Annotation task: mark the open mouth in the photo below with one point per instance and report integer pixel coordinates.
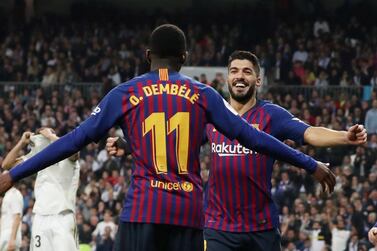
(240, 85)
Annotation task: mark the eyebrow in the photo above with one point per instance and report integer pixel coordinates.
(236, 68)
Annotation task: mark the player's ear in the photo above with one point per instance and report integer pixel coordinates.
(184, 57)
(148, 55)
(258, 83)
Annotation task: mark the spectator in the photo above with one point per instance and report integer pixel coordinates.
(50, 77)
(301, 55)
(321, 27)
(107, 242)
(371, 119)
(100, 231)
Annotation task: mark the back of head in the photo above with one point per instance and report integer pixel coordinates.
(167, 41)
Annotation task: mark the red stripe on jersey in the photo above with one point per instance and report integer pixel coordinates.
(261, 183)
(248, 169)
(268, 211)
(221, 185)
(171, 160)
(141, 171)
(134, 208)
(237, 172)
(198, 208)
(253, 189)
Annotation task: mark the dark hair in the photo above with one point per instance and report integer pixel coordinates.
(167, 40)
(245, 55)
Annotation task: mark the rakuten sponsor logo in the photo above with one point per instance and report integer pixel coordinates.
(230, 150)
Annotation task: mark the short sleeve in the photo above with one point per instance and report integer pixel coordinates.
(286, 126)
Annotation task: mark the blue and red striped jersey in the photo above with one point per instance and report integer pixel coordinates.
(163, 115)
(239, 185)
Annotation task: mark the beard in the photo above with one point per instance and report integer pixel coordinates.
(244, 97)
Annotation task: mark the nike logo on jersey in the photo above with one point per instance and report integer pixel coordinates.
(96, 111)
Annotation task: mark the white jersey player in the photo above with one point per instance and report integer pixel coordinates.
(10, 225)
(54, 226)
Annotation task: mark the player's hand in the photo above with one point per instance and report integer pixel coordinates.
(5, 182)
(25, 139)
(112, 147)
(357, 135)
(11, 245)
(325, 177)
(372, 235)
(48, 133)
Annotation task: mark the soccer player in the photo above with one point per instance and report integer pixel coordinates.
(163, 115)
(245, 217)
(54, 224)
(10, 225)
(372, 235)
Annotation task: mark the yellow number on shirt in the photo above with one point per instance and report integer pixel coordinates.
(155, 123)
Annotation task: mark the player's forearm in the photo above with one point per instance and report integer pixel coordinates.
(266, 144)
(15, 225)
(11, 158)
(321, 136)
(63, 148)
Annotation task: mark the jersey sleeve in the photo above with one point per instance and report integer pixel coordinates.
(101, 120)
(227, 121)
(286, 126)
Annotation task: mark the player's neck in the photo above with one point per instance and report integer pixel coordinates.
(164, 63)
(242, 108)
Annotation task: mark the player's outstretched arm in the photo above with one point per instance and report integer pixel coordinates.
(61, 149)
(105, 116)
(12, 157)
(321, 136)
(233, 126)
(372, 234)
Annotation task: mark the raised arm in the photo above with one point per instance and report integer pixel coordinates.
(321, 136)
(13, 157)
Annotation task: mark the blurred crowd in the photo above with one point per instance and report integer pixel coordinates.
(317, 52)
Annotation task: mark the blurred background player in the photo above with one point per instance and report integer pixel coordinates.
(10, 225)
(163, 209)
(54, 224)
(245, 217)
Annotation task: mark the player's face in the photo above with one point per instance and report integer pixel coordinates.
(242, 80)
